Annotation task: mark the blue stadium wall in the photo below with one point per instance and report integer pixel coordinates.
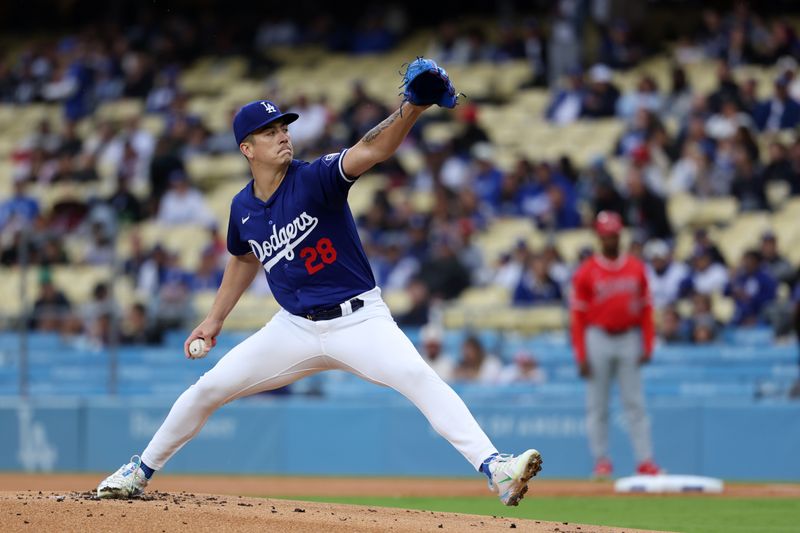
(732, 440)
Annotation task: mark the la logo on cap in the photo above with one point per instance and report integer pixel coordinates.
(269, 107)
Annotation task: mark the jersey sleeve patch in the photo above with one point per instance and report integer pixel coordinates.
(325, 179)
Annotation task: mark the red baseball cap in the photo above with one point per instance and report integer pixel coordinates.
(608, 223)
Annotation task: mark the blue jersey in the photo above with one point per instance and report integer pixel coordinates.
(305, 236)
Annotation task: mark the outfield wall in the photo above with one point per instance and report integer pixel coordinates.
(390, 437)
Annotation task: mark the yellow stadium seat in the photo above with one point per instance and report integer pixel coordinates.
(684, 307)
(78, 282)
(504, 234)
(722, 307)
(681, 209)
(570, 242)
(252, 311)
(441, 132)
(11, 304)
(398, 301)
(454, 317)
(791, 206)
(792, 253)
(186, 240)
(743, 233)
(542, 318)
(715, 211)
(532, 101)
(361, 198)
(485, 297)
(207, 171)
(155, 124)
(777, 193)
(120, 110)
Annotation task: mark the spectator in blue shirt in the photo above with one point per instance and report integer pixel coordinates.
(600, 100)
(782, 112)
(20, 209)
(561, 213)
(372, 36)
(535, 285)
(567, 103)
(208, 275)
(534, 198)
(487, 179)
(753, 289)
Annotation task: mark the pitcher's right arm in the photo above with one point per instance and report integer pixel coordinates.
(239, 274)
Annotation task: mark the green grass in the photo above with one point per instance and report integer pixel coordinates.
(696, 514)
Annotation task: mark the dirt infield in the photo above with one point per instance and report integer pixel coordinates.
(58, 502)
(31, 511)
(298, 486)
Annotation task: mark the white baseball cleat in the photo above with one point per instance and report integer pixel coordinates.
(510, 475)
(128, 481)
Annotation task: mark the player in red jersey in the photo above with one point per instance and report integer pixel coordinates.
(612, 336)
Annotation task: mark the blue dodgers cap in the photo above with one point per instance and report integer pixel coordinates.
(256, 115)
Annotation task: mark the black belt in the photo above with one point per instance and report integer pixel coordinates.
(334, 311)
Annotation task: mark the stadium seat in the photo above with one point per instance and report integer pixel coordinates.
(571, 242)
(487, 297)
(120, 110)
(207, 171)
(743, 232)
(10, 285)
(398, 301)
(186, 240)
(722, 307)
(541, 318)
(777, 193)
(78, 282)
(361, 198)
(681, 209)
(715, 211)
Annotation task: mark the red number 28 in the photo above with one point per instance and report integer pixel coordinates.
(324, 251)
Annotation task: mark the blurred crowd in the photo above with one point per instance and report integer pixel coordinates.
(475, 363)
(430, 253)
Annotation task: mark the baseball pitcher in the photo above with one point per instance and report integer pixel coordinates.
(293, 222)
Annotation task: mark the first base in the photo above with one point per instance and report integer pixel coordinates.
(668, 483)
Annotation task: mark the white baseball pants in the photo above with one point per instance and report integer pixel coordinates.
(366, 343)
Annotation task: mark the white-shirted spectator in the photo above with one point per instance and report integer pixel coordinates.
(687, 170)
(524, 369)
(723, 125)
(706, 276)
(183, 204)
(442, 363)
(646, 96)
(315, 117)
(476, 365)
(663, 274)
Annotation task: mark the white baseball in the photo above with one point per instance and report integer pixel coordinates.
(197, 348)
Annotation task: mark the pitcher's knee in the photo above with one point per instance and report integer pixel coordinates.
(417, 376)
(209, 394)
(419, 373)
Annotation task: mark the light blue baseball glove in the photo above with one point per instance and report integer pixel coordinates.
(426, 83)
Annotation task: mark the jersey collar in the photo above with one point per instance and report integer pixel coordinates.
(256, 201)
(611, 264)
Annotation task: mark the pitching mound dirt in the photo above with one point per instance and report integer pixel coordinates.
(34, 511)
(305, 486)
